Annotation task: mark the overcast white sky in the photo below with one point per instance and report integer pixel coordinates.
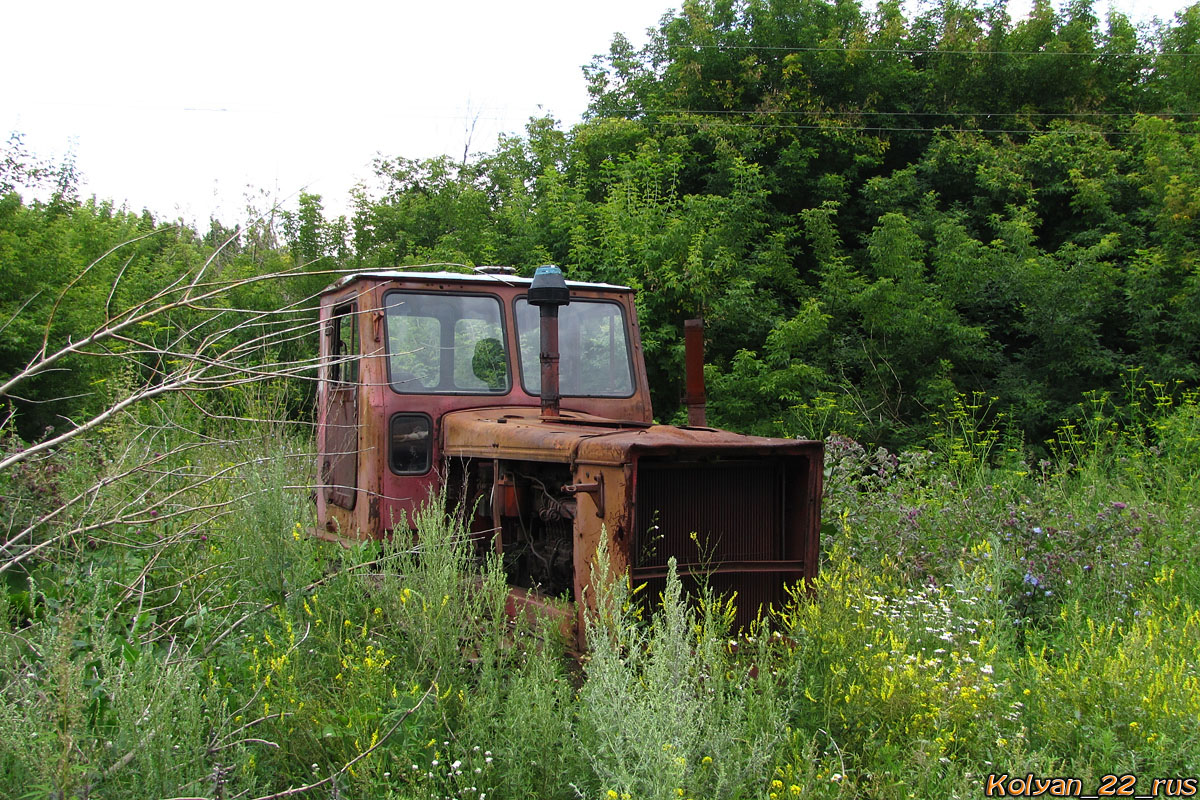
(189, 108)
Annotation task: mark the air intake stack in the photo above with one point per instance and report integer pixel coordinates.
(548, 292)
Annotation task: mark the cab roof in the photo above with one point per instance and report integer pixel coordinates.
(478, 278)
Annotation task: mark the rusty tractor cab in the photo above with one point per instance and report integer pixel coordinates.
(526, 400)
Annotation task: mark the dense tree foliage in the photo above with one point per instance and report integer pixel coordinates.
(71, 267)
(872, 212)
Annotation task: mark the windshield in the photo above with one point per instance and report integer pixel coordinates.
(445, 344)
(594, 358)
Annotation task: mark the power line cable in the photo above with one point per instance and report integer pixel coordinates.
(889, 129)
(830, 113)
(937, 51)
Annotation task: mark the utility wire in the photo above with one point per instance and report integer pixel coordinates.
(769, 113)
(887, 129)
(936, 51)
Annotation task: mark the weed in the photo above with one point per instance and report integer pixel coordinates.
(980, 608)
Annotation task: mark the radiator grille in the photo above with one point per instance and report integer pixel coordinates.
(736, 511)
(734, 508)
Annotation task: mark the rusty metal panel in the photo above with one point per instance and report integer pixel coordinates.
(339, 467)
(578, 437)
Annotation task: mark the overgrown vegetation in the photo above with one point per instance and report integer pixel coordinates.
(972, 616)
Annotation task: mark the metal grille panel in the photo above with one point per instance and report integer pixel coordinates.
(734, 509)
(709, 515)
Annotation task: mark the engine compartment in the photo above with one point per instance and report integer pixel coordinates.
(536, 520)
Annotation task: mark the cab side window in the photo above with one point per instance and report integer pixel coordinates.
(343, 366)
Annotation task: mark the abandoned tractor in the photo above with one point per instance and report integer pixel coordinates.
(526, 401)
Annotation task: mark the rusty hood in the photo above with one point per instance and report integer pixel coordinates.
(577, 438)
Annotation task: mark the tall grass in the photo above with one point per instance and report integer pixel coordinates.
(980, 609)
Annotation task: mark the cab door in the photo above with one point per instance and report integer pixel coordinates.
(340, 445)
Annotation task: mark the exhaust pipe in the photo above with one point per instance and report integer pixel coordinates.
(548, 292)
(693, 342)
